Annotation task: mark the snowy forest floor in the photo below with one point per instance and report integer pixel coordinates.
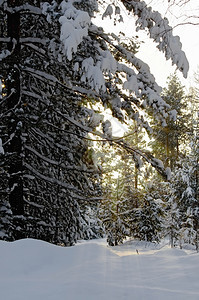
(36, 270)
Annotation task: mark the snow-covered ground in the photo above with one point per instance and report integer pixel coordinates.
(35, 270)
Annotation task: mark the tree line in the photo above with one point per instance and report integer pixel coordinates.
(57, 66)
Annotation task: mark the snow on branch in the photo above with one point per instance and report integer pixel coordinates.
(41, 75)
(96, 72)
(50, 179)
(57, 163)
(160, 31)
(25, 7)
(147, 156)
(74, 25)
(108, 12)
(93, 74)
(33, 40)
(1, 147)
(4, 54)
(50, 161)
(139, 80)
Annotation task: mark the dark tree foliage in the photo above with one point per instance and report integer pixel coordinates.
(46, 178)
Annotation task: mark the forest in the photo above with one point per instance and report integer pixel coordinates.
(63, 175)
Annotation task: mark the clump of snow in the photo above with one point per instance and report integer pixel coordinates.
(74, 24)
(159, 163)
(46, 9)
(131, 84)
(74, 27)
(1, 147)
(168, 173)
(173, 115)
(4, 54)
(108, 63)
(93, 74)
(107, 129)
(177, 55)
(189, 191)
(95, 119)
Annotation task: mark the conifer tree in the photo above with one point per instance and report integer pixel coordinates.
(47, 174)
(185, 191)
(168, 139)
(183, 207)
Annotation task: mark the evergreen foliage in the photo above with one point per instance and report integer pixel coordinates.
(186, 190)
(48, 177)
(170, 140)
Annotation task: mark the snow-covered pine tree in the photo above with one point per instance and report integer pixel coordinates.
(172, 226)
(116, 211)
(187, 198)
(53, 59)
(47, 172)
(149, 217)
(183, 200)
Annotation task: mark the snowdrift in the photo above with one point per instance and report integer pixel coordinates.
(35, 270)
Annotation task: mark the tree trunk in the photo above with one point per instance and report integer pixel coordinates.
(167, 146)
(14, 147)
(136, 143)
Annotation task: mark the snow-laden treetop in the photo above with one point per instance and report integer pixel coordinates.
(124, 85)
(101, 71)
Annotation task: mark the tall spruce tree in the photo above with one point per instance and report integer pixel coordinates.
(168, 139)
(48, 176)
(185, 186)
